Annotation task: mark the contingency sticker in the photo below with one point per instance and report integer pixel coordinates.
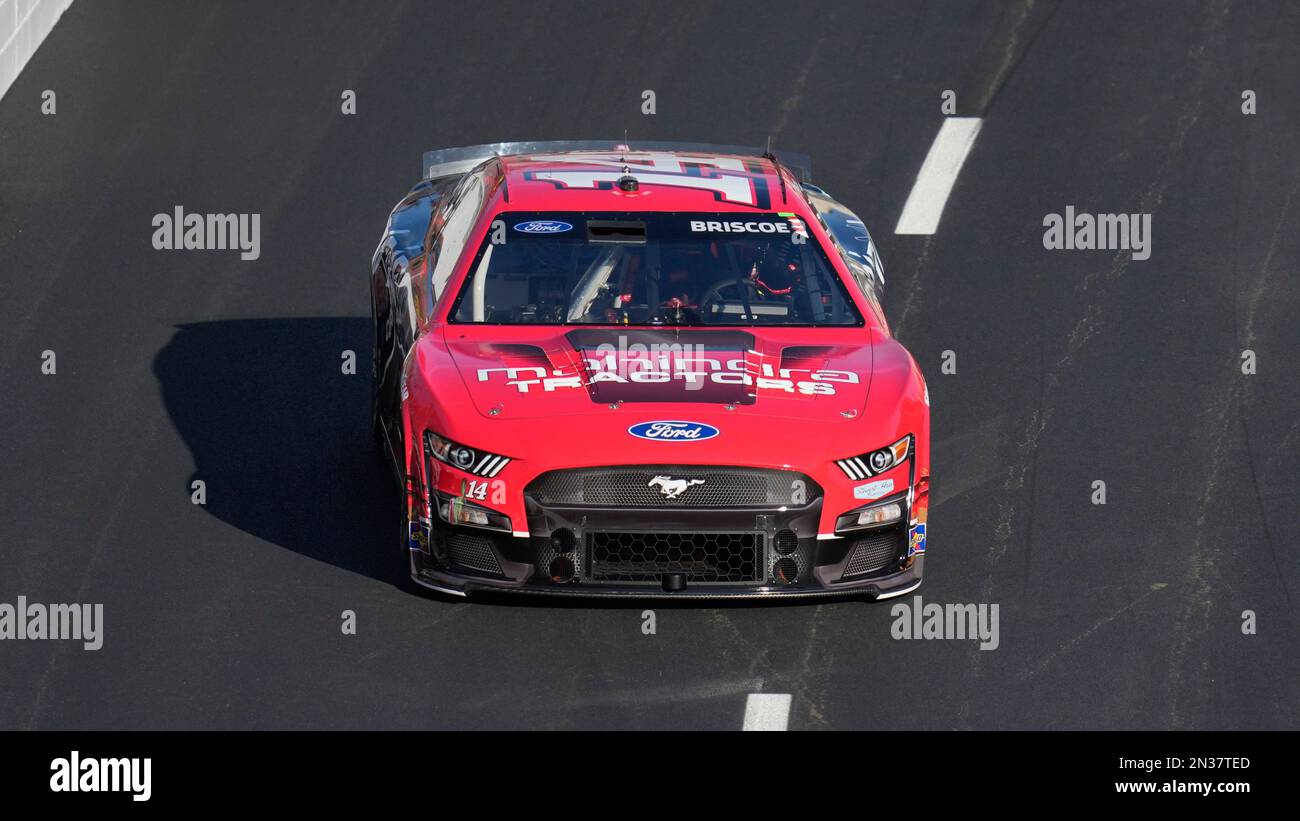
(873, 490)
(419, 536)
(916, 540)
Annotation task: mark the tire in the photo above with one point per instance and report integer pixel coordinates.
(376, 405)
(403, 534)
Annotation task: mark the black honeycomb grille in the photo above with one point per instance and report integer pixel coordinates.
(704, 558)
(871, 553)
(472, 552)
(673, 486)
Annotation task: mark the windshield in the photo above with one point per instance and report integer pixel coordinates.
(652, 269)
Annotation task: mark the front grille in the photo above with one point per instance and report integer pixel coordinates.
(673, 486)
(718, 558)
(473, 553)
(871, 553)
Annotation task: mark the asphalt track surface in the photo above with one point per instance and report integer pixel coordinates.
(1072, 366)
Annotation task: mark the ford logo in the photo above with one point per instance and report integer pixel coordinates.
(673, 431)
(543, 227)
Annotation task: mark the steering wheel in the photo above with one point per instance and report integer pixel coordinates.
(734, 286)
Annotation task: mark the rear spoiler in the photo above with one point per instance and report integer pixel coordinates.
(444, 162)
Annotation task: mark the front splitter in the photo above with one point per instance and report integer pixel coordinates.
(452, 584)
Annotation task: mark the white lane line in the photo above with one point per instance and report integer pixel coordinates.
(767, 711)
(24, 24)
(938, 173)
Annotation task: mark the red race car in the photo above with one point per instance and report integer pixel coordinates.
(651, 370)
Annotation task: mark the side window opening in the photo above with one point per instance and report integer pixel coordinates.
(853, 243)
(462, 210)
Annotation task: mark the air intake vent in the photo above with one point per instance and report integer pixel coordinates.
(786, 542)
(472, 552)
(673, 486)
(804, 356)
(616, 231)
(873, 553)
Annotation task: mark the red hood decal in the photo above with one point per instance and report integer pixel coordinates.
(809, 374)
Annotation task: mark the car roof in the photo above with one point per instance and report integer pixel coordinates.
(665, 181)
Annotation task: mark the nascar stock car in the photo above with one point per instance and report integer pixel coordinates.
(659, 370)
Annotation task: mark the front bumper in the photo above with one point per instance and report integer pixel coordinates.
(681, 554)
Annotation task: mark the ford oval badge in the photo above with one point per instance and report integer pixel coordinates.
(673, 431)
(543, 227)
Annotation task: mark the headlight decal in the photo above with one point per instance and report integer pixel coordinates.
(456, 510)
(463, 457)
(876, 462)
(880, 514)
(854, 468)
(490, 465)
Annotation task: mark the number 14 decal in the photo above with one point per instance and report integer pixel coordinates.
(471, 489)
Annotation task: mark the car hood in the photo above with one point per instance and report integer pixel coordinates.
(807, 374)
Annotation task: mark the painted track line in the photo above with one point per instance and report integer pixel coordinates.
(24, 25)
(937, 176)
(767, 711)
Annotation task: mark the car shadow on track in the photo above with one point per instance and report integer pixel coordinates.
(281, 438)
(280, 435)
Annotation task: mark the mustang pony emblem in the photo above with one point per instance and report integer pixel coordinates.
(672, 488)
